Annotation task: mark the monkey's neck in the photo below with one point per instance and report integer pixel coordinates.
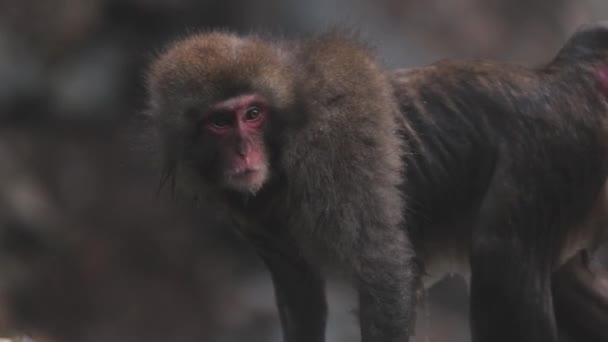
(239, 200)
(254, 205)
(591, 82)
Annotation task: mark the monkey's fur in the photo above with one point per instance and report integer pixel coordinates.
(495, 164)
(507, 171)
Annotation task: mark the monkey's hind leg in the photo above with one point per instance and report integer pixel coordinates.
(581, 302)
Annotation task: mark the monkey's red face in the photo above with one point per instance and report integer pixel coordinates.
(237, 125)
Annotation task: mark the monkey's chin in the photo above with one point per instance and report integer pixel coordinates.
(247, 181)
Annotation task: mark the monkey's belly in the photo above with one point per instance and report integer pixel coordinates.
(439, 268)
(448, 254)
(445, 254)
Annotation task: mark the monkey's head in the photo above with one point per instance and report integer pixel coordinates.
(239, 113)
(586, 50)
(216, 98)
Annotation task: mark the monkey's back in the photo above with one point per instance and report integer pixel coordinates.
(469, 123)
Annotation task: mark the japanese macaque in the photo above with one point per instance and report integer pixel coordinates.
(319, 155)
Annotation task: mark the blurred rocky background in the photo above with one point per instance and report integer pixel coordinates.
(90, 252)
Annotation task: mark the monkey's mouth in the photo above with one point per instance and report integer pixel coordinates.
(246, 176)
(248, 180)
(239, 173)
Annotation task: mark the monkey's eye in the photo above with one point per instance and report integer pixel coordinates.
(220, 121)
(253, 114)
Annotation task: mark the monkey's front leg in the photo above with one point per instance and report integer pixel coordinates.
(299, 290)
(387, 277)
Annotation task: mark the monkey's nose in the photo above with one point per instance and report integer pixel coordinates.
(242, 148)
